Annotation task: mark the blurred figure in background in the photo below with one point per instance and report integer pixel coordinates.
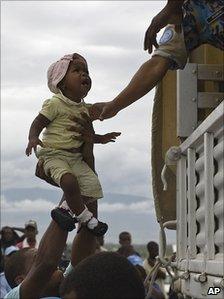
(153, 250)
(9, 238)
(100, 244)
(125, 240)
(129, 252)
(30, 232)
(4, 286)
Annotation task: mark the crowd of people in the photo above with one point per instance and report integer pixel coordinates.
(18, 252)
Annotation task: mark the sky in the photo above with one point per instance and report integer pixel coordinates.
(109, 34)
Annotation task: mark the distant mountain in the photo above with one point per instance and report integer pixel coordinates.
(122, 212)
(54, 194)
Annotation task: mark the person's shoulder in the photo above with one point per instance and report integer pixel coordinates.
(14, 293)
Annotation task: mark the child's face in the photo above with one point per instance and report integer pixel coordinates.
(77, 82)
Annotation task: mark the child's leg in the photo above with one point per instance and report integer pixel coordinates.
(69, 185)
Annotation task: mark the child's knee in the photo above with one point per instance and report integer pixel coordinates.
(69, 183)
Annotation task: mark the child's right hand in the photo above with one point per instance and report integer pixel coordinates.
(32, 144)
(109, 110)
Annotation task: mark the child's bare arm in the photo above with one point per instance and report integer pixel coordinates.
(39, 123)
(109, 137)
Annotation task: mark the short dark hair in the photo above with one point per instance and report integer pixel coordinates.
(16, 265)
(106, 275)
(124, 235)
(153, 248)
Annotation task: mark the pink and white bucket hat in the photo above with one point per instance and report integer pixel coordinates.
(58, 69)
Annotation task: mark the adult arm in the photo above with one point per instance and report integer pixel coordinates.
(19, 229)
(48, 256)
(148, 75)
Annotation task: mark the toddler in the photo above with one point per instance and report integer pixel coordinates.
(60, 151)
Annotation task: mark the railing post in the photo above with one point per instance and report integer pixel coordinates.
(209, 193)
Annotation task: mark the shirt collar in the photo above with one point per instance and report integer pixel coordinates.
(67, 100)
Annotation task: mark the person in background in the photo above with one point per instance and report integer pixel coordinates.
(125, 239)
(156, 292)
(153, 251)
(106, 275)
(4, 286)
(129, 252)
(31, 233)
(9, 238)
(100, 244)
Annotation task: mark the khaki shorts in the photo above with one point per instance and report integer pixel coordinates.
(59, 162)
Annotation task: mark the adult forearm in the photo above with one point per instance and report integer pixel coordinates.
(175, 4)
(149, 74)
(87, 153)
(19, 229)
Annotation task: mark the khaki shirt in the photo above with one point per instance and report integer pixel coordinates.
(59, 110)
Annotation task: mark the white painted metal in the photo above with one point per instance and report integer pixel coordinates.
(209, 194)
(187, 100)
(182, 208)
(200, 173)
(191, 197)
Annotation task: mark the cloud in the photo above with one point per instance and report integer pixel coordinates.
(142, 207)
(26, 206)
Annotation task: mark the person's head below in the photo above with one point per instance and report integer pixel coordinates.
(31, 229)
(70, 76)
(106, 275)
(153, 249)
(125, 238)
(8, 237)
(18, 266)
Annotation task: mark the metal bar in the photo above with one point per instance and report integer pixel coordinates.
(182, 208)
(209, 194)
(209, 99)
(191, 202)
(210, 124)
(187, 100)
(210, 72)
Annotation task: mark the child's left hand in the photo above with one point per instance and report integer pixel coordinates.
(109, 137)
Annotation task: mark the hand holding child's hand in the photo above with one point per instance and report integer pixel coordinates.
(32, 144)
(109, 137)
(109, 110)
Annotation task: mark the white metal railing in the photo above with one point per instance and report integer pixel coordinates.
(200, 207)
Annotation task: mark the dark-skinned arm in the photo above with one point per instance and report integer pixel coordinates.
(48, 256)
(39, 123)
(147, 77)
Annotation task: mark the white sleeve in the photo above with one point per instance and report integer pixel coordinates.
(68, 270)
(14, 293)
(172, 46)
